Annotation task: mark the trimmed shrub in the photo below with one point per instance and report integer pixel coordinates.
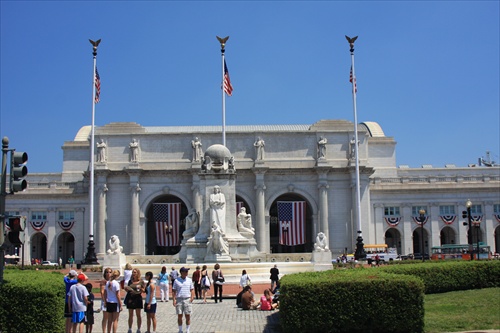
(32, 301)
(359, 300)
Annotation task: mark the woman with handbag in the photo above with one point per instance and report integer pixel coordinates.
(133, 300)
(205, 282)
(219, 280)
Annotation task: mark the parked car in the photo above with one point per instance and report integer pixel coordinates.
(49, 263)
(418, 256)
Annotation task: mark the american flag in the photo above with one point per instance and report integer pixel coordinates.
(97, 82)
(239, 204)
(291, 217)
(167, 218)
(351, 78)
(228, 88)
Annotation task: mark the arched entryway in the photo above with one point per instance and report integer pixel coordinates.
(297, 203)
(448, 236)
(165, 225)
(393, 239)
(496, 248)
(65, 247)
(417, 241)
(39, 246)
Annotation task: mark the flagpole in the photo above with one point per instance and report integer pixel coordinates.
(91, 258)
(222, 50)
(360, 252)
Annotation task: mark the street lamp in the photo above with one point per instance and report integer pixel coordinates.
(468, 205)
(421, 219)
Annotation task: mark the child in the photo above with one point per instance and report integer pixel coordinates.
(89, 319)
(77, 302)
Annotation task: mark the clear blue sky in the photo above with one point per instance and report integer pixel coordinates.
(427, 72)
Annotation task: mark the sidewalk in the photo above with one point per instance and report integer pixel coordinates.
(222, 317)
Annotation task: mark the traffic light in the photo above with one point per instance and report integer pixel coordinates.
(18, 170)
(464, 214)
(16, 225)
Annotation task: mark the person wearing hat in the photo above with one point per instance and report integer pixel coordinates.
(69, 280)
(183, 295)
(77, 303)
(173, 275)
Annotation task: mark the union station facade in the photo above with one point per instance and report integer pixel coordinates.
(137, 167)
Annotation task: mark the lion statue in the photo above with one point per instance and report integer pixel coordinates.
(114, 245)
(321, 244)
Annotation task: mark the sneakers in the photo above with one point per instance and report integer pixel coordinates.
(129, 330)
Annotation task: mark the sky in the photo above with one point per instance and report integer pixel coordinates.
(427, 71)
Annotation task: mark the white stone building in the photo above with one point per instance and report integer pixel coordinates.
(136, 167)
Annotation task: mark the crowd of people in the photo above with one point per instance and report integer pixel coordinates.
(140, 295)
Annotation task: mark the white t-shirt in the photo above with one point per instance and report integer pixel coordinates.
(112, 287)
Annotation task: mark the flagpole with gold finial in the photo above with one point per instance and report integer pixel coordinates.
(360, 251)
(91, 258)
(222, 50)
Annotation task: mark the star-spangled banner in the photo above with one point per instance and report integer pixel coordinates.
(167, 222)
(97, 82)
(291, 217)
(228, 88)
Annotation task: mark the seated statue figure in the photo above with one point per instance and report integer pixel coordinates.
(321, 244)
(245, 223)
(216, 243)
(192, 224)
(114, 245)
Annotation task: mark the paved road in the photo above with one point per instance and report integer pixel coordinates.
(222, 317)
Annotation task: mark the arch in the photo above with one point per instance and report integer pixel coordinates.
(274, 231)
(417, 240)
(151, 245)
(38, 246)
(393, 238)
(149, 200)
(249, 204)
(448, 235)
(305, 195)
(65, 246)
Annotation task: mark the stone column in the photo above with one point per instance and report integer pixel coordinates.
(435, 236)
(323, 209)
(100, 229)
(379, 224)
(488, 225)
(407, 245)
(261, 225)
(462, 230)
(134, 216)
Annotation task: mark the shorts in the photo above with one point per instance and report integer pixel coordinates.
(112, 307)
(183, 306)
(134, 301)
(152, 308)
(67, 313)
(78, 317)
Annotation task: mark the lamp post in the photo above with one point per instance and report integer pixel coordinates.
(421, 218)
(468, 205)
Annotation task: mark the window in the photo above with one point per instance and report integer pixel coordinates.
(11, 213)
(39, 215)
(496, 208)
(476, 209)
(415, 210)
(447, 210)
(391, 211)
(66, 215)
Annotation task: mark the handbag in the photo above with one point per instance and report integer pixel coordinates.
(220, 279)
(206, 281)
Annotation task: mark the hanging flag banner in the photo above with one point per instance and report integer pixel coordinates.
(415, 219)
(38, 225)
(291, 217)
(238, 207)
(476, 219)
(352, 79)
(497, 217)
(448, 219)
(393, 221)
(97, 82)
(228, 88)
(66, 225)
(167, 222)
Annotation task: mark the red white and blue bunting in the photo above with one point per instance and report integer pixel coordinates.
(497, 217)
(66, 225)
(415, 219)
(393, 221)
(38, 225)
(448, 219)
(476, 219)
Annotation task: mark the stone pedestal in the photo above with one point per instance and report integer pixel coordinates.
(115, 261)
(322, 260)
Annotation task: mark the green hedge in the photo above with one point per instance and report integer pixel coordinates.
(444, 276)
(32, 301)
(359, 300)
